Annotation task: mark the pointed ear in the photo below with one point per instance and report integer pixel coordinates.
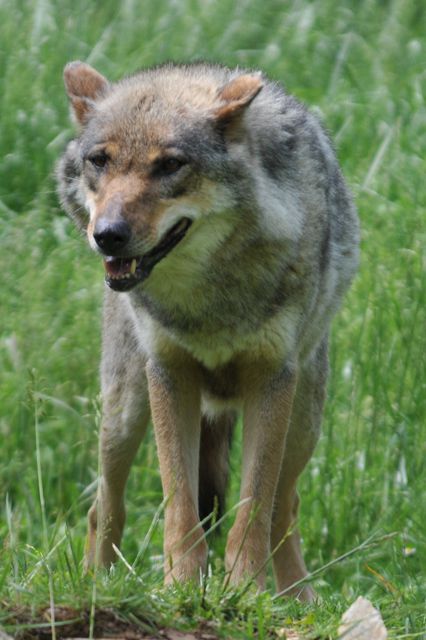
(83, 85)
(236, 96)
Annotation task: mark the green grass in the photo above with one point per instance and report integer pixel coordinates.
(361, 65)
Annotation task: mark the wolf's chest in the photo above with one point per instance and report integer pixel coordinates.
(212, 339)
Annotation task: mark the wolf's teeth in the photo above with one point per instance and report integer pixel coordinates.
(133, 266)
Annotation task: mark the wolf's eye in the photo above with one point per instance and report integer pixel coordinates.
(168, 166)
(99, 159)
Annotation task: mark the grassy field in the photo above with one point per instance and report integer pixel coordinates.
(361, 66)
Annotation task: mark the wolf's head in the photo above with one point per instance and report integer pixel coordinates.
(153, 159)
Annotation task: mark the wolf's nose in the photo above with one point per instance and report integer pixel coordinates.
(111, 237)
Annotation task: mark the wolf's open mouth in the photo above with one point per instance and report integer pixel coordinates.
(122, 274)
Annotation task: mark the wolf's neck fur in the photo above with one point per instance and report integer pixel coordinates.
(214, 300)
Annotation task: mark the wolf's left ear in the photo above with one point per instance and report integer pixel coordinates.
(236, 95)
(84, 85)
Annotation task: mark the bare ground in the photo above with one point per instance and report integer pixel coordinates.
(70, 623)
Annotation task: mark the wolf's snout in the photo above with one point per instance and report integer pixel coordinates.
(112, 237)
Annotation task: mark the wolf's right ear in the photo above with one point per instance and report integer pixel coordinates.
(84, 85)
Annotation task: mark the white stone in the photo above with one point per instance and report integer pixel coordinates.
(362, 622)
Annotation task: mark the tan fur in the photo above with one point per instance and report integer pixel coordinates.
(233, 316)
(237, 95)
(267, 408)
(83, 84)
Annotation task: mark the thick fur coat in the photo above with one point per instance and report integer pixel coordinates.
(229, 238)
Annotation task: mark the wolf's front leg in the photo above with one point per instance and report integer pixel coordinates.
(267, 409)
(175, 406)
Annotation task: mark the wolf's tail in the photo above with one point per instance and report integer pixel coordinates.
(216, 438)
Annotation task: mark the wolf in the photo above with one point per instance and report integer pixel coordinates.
(228, 237)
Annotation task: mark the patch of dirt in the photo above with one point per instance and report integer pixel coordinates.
(70, 623)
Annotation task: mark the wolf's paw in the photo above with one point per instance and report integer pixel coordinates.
(187, 561)
(246, 560)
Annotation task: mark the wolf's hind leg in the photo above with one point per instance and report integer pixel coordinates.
(125, 417)
(288, 563)
(216, 436)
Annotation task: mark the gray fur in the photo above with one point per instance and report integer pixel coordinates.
(286, 251)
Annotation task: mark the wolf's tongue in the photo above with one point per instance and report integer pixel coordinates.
(117, 267)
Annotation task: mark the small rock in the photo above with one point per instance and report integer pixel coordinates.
(4, 635)
(288, 634)
(179, 635)
(362, 622)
